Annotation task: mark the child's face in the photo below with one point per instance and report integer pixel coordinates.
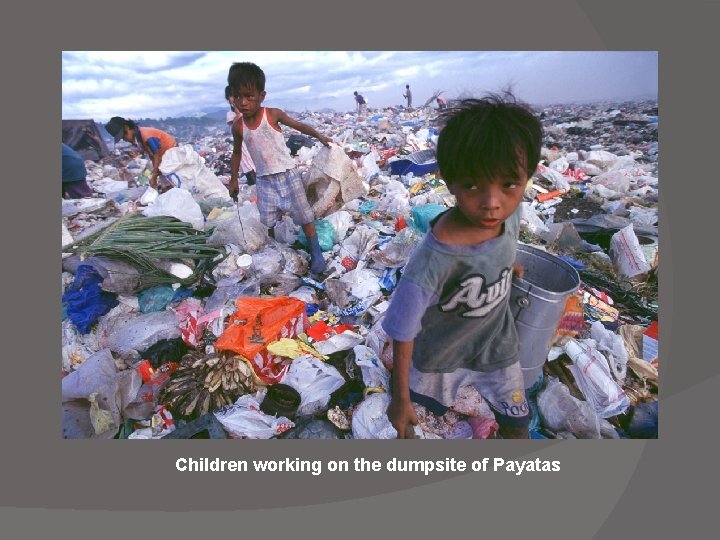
(247, 100)
(128, 134)
(487, 203)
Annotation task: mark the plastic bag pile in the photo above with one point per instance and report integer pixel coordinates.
(592, 201)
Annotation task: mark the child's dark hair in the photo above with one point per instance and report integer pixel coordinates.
(228, 93)
(246, 74)
(489, 137)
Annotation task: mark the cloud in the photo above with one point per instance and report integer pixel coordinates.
(100, 84)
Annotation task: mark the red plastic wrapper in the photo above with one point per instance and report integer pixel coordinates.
(322, 331)
(156, 377)
(348, 263)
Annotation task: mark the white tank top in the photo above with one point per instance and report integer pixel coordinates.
(267, 148)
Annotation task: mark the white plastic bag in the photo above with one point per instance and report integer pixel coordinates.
(604, 192)
(114, 389)
(361, 283)
(359, 244)
(149, 196)
(374, 373)
(315, 381)
(376, 340)
(560, 411)
(370, 420)
(338, 342)
(77, 347)
(556, 178)
(531, 221)
(397, 252)
(601, 158)
(643, 217)
(560, 164)
(268, 262)
(341, 222)
(626, 253)
(588, 168)
(617, 180)
(368, 165)
(108, 186)
(143, 331)
(184, 167)
(248, 210)
(177, 203)
(249, 234)
(592, 375)
(332, 180)
(396, 199)
(245, 419)
(286, 230)
(613, 346)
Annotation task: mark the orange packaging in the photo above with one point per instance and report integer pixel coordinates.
(542, 197)
(259, 321)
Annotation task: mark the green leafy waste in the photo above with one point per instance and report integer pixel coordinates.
(140, 241)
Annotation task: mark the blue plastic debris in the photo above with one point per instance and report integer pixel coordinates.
(86, 302)
(577, 265)
(418, 163)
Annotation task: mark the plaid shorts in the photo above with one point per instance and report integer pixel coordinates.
(283, 192)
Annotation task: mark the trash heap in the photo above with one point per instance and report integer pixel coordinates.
(184, 318)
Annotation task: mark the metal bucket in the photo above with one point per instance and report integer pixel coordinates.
(537, 302)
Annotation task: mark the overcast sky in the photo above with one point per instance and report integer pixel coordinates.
(154, 84)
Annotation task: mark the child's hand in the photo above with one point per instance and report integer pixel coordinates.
(234, 190)
(518, 270)
(402, 416)
(325, 140)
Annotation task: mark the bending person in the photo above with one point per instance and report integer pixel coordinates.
(74, 185)
(154, 142)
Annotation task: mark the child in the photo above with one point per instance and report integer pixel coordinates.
(154, 142)
(247, 167)
(450, 316)
(279, 186)
(361, 103)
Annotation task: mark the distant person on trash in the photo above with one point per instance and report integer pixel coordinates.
(449, 316)
(279, 186)
(408, 95)
(153, 142)
(360, 102)
(74, 185)
(442, 104)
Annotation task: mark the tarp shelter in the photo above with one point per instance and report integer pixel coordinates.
(84, 137)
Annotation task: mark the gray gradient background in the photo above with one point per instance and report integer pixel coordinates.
(606, 489)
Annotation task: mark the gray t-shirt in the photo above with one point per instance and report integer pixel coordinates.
(453, 301)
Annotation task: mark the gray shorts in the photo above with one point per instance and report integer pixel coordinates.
(503, 389)
(283, 192)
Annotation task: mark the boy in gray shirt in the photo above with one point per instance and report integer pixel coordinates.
(450, 316)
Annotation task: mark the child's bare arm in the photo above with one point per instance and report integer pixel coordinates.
(281, 117)
(233, 186)
(401, 412)
(156, 158)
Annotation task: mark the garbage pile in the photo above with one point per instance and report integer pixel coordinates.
(183, 318)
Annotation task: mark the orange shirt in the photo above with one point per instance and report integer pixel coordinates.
(156, 140)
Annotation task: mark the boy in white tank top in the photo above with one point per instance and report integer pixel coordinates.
(247, 167)
(279, 186)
